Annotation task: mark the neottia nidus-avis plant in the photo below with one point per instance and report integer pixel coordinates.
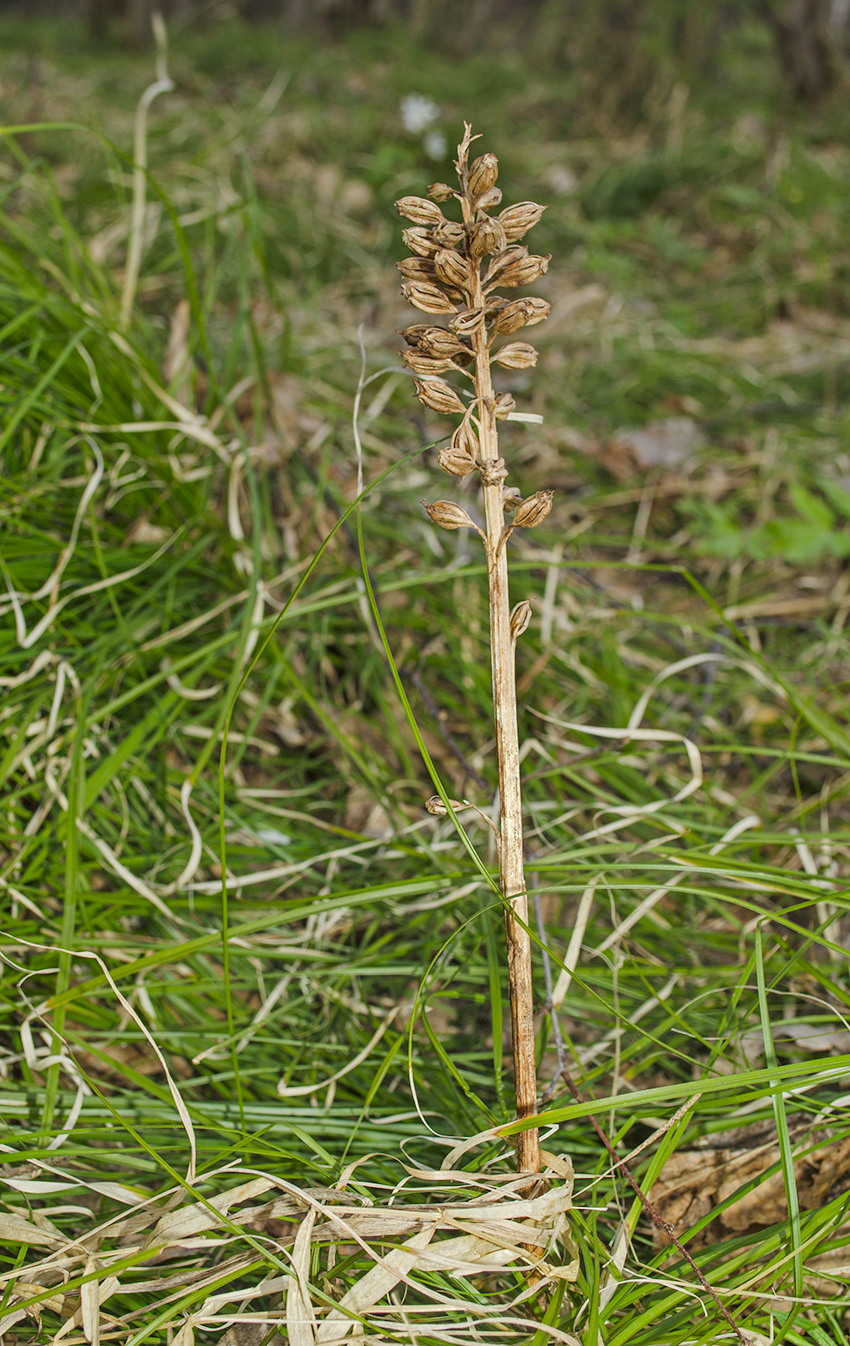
(457, 270)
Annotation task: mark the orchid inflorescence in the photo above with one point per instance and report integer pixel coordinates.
(457, 269)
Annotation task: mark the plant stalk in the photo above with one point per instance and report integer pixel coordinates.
(503, 664)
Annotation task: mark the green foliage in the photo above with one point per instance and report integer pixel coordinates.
(173, 587)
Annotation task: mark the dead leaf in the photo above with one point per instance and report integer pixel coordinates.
(250, 1334)
(694, 1182)
(14, 1229)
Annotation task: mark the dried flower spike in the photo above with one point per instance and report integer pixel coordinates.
(445, 275)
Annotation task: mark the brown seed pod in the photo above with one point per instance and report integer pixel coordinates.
(520, 618)
(504, 405)
(485, 236)
(482, 177)
(456, 462)
(418, 268)
(503, 260)
(420, 241)
(493, 472)
(465, 440)
(436, 806)
(441, 342)
(440, 191)
(448, 234)
(451, 268)
(517, 220)
(428, 365)
(419, 211)
(413, 333)
(439, 396)
(533, 510)
(520, 313)
(524, 271)
(516, 355)
(490, 199)
(467, 322)
(447, 514)
(428, 297)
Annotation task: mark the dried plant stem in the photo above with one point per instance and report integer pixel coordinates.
(445, 276)
(503, 665)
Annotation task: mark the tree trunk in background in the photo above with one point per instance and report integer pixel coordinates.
(811, 43)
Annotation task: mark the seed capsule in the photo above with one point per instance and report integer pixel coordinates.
(412, 334)
(440, 191)
(439, 396)
(524, 271)
(419, 211)
(485, 236)
(436, 806)
(520, 619)
(482, 176)
(429, 298)
(467, 322)
(428, 365)
(520, 313)
(439, 341)
(451, 268)
(448, 234)
(517, 220)
(504, 405)
(465, 440)
(516, 355)
(448, 515)
(493, 472)
(418, 268)
(419, 240)
(456, 462)
(503, 260)
(533, 510)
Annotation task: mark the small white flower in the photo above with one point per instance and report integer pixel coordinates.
(435, 145)
(418, 112)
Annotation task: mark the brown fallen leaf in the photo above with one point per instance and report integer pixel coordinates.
(250, 1334)
(694, 1182)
